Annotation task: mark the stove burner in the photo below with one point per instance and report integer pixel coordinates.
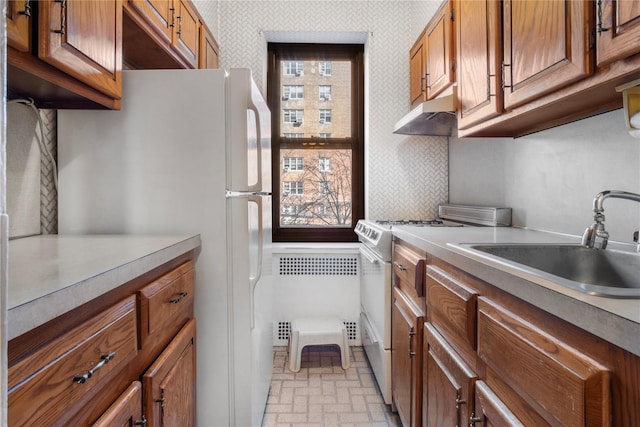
(415, 222)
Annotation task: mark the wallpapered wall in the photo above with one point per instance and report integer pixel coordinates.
(406, 176)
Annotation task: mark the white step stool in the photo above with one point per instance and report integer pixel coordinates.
(317, 331)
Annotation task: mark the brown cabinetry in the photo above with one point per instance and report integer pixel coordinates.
(492, 359)
(546, 47)
(479, 81)
(161, 34)
(209, 50)
(617, 30)
(169, 384)
(85, 366)
(431, 58)
(75, 59)
(19, 24)
(440, 51)
(406, 358)
(408, 271)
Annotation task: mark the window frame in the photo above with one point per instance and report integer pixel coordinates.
(354, 53)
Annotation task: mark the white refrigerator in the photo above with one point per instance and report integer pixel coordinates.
(189, 152)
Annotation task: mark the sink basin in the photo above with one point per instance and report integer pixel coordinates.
(607, 273)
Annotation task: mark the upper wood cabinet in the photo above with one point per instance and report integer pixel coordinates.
(432, 57)
(417, 71)
(209, 50)
(546, 47)
(617, 29)
(440, 51)
(65, 54)
(479, 91)
(186, 35)
(161, 34)
(84, 39)
(19, 24)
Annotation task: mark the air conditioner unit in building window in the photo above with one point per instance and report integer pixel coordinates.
(326, 97)
(297, 124)
(298, 73)
(285, 98)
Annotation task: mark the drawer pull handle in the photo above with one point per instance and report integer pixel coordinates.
(178, 298)
(104, 359)
(401, 267)
(142, 422)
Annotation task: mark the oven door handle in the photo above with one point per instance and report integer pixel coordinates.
(369, 254)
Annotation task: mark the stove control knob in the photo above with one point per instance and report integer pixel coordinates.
(374, 234)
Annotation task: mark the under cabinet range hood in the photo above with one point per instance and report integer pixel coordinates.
(434, 117)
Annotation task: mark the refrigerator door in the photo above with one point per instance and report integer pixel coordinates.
(248, 135)
(250, 305)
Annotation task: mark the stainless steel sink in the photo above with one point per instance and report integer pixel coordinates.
(607, 273)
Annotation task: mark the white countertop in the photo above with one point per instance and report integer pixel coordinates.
(52, 274)
(613, 319)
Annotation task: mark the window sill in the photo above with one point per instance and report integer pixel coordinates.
(314, 248)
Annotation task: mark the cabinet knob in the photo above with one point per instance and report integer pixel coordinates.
(180, 296)
(473, 420)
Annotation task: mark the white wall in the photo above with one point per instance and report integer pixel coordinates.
(406, 176)
(550, 178)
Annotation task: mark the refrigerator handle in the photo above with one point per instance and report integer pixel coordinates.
(253, 281)
(252, 106)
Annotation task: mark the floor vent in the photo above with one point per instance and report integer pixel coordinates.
(318, 266)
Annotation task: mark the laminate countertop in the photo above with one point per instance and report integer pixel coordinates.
(52, 274)
(616, 320)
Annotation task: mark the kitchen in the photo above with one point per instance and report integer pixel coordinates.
(549, 178)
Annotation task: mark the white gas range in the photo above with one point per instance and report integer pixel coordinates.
(376, 285)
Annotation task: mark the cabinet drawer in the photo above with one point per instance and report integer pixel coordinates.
(52, 385)
(166, 304)
(569, 388)
(451, 306)
(408, 268)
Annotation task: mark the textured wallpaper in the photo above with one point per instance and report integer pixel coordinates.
(406, 176)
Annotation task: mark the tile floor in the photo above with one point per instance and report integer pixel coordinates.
(323, 394)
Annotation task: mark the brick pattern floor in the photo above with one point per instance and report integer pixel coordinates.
(324, 394)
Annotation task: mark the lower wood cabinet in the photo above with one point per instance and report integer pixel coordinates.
(88, 366)
(447, 383)
(406, 359)
(126, 411)
(169, 386)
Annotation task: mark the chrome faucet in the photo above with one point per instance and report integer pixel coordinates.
(596, 236)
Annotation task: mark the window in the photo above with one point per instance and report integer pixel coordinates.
(324, 68)
(324, 187)
(294, 188)
(292, 92)
(324, 164)
(325, 116)
(293, 116)
(293, 68)
(325, 198)
(293, 164)
(325, 93)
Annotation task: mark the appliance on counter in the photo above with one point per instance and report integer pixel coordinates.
(376, 285)
(189, 153)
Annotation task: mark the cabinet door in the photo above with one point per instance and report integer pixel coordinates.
(84, 39)
(126, 411)
(568, 388)
(546, 47)
(186, 36)
(169, 385)
(159, 14)
(440, 51)
(406, 359)
(19, 24)
(617, 30)
(208, 57)
(417, 78)
(479, 55)
(490, 410)
(447, 383)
